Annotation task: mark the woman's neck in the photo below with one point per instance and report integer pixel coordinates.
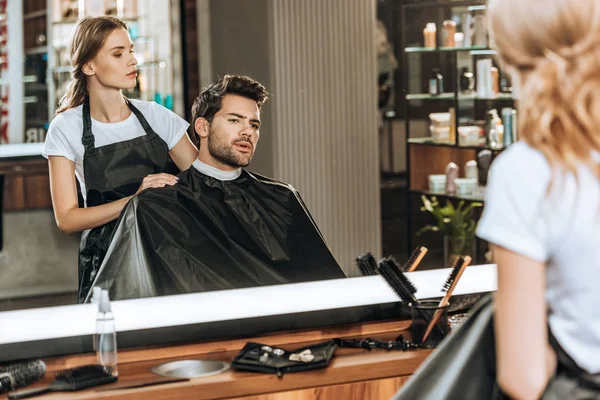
(108, 106)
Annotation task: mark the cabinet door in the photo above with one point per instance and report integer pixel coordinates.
(26, 184)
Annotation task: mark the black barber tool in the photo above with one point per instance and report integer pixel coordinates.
(366, 264)
(18, 375)
(70, 380)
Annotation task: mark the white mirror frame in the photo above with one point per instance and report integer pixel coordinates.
(147, 313)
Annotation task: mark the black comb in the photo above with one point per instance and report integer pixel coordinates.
(71, 380)
(366, 264)
(400, 274)
(396, 279)
(458, 263)
(414, 259)
(404, 288)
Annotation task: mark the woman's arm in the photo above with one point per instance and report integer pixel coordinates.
(525, 361)
(69, 217)
(184, 153)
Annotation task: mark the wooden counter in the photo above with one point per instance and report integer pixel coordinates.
(352, 373)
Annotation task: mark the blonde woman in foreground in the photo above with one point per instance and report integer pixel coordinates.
(542, 214)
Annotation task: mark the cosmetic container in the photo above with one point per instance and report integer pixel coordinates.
(106, 347)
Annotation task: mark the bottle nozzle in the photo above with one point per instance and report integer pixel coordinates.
(104, 305)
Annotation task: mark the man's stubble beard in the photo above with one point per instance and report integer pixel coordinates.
(224, 152)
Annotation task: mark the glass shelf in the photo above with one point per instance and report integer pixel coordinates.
(35, 14)
(461, 96)
(36, 50)
(471, 49)
(73, 21)
(479, 197)
(428, 141)
(427, 96)
(473, 96)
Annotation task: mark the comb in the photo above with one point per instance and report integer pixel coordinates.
(70, 380)
(415, 259)
(400, 284)
(366, 264)
(457, 270)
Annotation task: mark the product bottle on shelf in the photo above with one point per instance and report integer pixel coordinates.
(436, 83)
(106, 348)
(429, 35)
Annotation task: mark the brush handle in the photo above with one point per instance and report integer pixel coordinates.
(26, 393)
(418, 260)
(445, 301)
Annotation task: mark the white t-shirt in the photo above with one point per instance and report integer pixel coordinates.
(66, 129)
(562, 229)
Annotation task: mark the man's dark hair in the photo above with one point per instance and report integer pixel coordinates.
(208, 103)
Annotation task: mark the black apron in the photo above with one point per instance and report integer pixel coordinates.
(113, 172)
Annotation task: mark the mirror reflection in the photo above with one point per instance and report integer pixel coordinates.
(107, 107)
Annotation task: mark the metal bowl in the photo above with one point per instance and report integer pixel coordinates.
(190, 368)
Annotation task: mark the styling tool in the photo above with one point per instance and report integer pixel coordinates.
(457, 270)
(366, 264)
(400, 283)
(397, 280)
(70, 380)
(137, 383)
(18, 375)
(415, 259)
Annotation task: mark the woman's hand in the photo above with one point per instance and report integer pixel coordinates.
(157, 181)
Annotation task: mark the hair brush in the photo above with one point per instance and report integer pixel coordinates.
(400, 283)
(18, 375)
(457, 270)
(366, 264)
(415, 259)
(70, 380)
(404, 288)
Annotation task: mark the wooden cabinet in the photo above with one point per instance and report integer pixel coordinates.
(26, 184)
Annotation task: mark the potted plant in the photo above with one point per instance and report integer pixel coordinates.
(456, 224)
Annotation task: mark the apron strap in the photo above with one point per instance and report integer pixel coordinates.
(87, 139)
(147, 128)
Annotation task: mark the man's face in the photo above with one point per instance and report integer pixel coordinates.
(234, 132)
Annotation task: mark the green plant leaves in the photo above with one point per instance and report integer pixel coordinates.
(458, 223)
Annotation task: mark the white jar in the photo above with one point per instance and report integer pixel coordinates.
(465, 187)
(437, 184)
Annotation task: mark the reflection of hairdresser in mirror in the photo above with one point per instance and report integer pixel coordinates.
(221, 226)
(542, 210)
(114, 146)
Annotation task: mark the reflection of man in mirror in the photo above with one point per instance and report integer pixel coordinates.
(220, 226)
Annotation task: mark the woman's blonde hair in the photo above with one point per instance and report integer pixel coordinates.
(554, 47)
(85, 42)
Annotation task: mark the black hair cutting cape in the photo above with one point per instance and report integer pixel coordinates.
(203, 234)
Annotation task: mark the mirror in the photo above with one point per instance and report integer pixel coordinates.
(318, 127)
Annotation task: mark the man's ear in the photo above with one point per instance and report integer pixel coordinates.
(88, 69)
(201, 127)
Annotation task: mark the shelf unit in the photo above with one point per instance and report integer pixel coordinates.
(424, 156)
(46, 71)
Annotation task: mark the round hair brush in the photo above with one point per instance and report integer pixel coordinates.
(18, 375)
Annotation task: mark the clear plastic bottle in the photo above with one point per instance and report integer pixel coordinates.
(96, 293)
(106, 348)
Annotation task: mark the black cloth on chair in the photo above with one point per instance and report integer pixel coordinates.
(204, 234)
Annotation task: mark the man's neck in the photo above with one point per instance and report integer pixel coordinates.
(217, 173)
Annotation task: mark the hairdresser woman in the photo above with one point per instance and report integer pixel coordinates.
(542, 211)
(114, 146)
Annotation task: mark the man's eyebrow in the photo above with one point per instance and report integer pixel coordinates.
(242, 117)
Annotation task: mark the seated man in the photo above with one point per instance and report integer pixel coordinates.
(220, 226)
